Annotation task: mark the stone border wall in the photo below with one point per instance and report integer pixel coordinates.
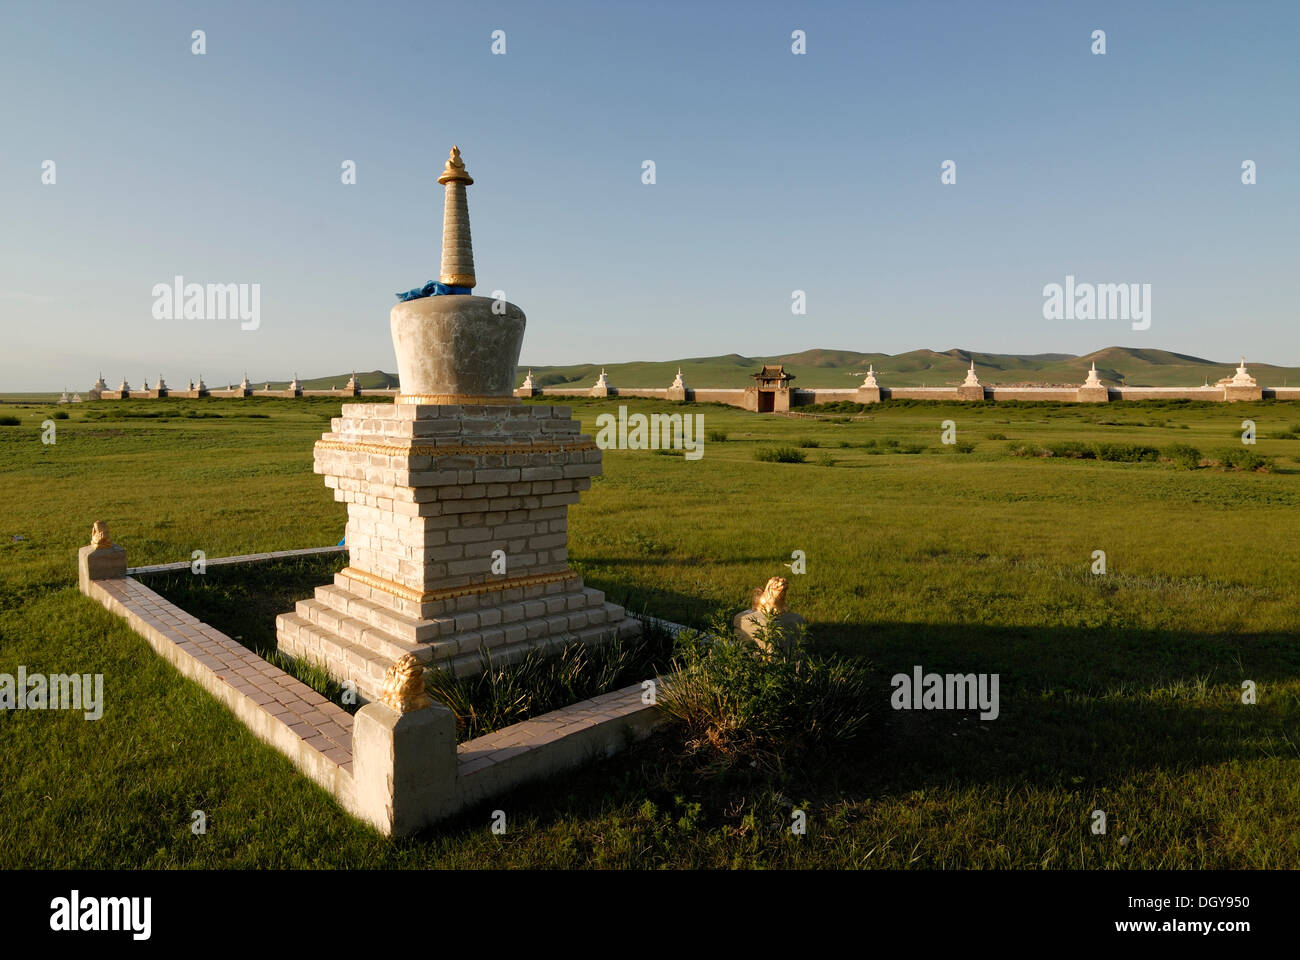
(399, 772)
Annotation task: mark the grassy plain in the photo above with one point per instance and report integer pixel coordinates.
(1119, 692)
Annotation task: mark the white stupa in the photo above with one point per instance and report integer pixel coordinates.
(1242, 377)
(870, 381)
(529, 383)
(244, 384)
(76, 398)
(602, 380)
(162, 385)
(678, 382)
(971, 379)
(295, 385)
(64, 397)
(125, 387)
(1093, 380)
(202, 387)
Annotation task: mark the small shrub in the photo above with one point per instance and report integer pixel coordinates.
(912, 448)
(826, 460)
(1244, 459)
(780, 455)
(1072, 449)
(9, 421)
(809, 442)
(1125, 452)
(1184, 456)
(996, 436)
(716, 436)
(60, 414)
(963, 446)
(845, 444)
(741, 706)
(1018, 448)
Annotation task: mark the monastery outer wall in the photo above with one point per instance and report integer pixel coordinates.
(918, 393)
(1213, 394)
(1063, 394)
(799, 396)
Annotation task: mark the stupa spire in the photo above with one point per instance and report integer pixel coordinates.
(457, 250)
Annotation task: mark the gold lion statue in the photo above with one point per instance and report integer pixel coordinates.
(771, 599)
(404, 685)
(99, 535)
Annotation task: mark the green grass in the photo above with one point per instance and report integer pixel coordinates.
(242, 601)
(1119, 692)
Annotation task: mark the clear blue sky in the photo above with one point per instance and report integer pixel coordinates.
(775, 172)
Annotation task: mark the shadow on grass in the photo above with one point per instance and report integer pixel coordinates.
(1083, 712)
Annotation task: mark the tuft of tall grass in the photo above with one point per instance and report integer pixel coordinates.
(780, 455)
(498, 696)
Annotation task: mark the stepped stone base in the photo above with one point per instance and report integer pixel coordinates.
(439, 497)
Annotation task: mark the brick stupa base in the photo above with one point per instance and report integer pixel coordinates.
(433, 491)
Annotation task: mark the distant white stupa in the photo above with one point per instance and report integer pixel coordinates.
(1093, 380)
(1242, 377)
(870, 381)
(678, 382)
(603, 381)
(971, 379)
(529, 383)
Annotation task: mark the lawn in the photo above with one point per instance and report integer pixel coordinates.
(1119, 692)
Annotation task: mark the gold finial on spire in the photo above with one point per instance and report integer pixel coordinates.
(455, 169)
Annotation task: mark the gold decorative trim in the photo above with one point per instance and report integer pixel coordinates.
(458, 279)
(477, 450)
(457, 399)
(448, 593)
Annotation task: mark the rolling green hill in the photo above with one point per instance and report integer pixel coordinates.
(845, 368)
